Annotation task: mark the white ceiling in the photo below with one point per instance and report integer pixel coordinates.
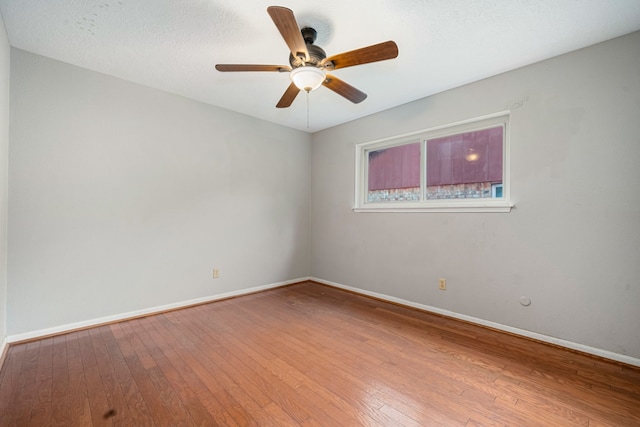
(173, 45)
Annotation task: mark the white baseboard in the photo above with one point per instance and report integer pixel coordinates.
(516, 331)
(3, 351)
(56, 330)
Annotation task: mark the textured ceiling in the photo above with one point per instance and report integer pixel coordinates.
(173, 45)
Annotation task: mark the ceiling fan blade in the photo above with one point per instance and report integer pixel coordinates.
(252, 67)
(288, 27)
(341, 88)
(288, 97)
(365, 55)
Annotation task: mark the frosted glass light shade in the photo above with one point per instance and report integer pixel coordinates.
(307, 78)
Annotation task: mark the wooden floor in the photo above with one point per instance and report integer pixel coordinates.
(308, 355)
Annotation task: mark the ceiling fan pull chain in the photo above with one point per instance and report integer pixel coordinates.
(307, 110)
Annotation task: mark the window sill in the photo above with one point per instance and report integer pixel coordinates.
(471, 206)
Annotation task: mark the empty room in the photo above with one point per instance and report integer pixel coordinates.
(365, 213)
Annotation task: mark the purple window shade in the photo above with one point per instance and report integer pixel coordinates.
(396, 167)
(465, 158)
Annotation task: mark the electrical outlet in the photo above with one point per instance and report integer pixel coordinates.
(442, 283)
(216, 273)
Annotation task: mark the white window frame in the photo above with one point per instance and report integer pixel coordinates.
(442, 205)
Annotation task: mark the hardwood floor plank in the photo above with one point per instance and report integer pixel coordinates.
(26, 387)
(403, 419)
(115, 395)
(551, 413)
(309, 355)
(60, 402)
(159, 396)
(41, 405)
(79, 408)
(135, 409)
(9, 386)
(96, 393)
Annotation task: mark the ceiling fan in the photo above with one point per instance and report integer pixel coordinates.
(309, 63)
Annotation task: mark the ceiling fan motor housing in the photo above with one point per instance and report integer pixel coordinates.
(316, 53)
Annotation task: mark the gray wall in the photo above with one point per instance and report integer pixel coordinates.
(4, 146)
(124, 198)
(572, 244)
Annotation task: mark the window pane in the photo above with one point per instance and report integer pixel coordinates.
(394, 174)
(466, 165)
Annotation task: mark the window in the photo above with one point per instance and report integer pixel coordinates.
(394, 173)
(458, 167)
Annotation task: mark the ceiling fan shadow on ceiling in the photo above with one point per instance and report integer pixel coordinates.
(309, 63)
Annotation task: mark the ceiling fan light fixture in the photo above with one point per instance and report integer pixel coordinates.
(307, 78)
